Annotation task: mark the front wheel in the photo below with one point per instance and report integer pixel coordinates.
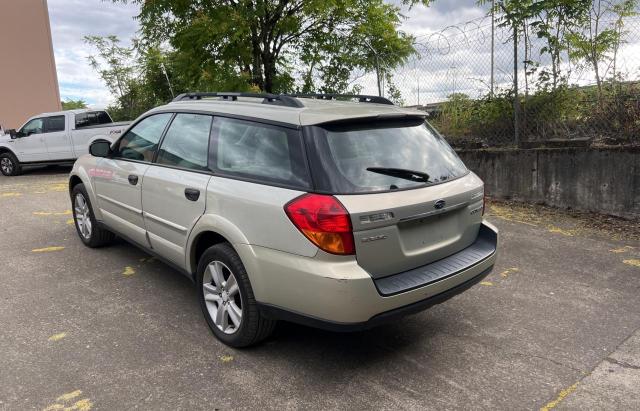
(9, 165)
(227, 299)
(91, 234)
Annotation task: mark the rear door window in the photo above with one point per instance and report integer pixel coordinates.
(260, 152)
(53, 124)
(82, 120)
(186, 143)
(381, 156)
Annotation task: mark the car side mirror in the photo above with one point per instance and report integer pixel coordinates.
(12, 133)
(100, 148)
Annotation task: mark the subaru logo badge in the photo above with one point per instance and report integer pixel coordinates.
(439, 204)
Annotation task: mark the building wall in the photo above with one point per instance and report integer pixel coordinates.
(28, 80)
(602, 180)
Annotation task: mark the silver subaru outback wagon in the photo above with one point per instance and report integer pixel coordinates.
(317, 209)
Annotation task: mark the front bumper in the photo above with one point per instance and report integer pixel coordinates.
(334, 292)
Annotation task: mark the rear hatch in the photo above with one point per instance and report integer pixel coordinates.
(411, 199)
(396, 232)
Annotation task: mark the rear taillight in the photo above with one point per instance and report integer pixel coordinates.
(324, 221)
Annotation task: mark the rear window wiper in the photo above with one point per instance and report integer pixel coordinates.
(403, 173)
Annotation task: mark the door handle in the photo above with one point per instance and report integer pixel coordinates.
(133, 179)
(192, 194)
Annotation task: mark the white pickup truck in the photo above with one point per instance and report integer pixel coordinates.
(55, 138)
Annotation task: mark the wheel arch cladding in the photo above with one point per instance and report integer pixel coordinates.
(80, 176)
(201, 242)
(74, 180)
(7, 150)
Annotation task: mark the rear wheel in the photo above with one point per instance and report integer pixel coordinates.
(227, 299)
(9, 164)
(91, 234)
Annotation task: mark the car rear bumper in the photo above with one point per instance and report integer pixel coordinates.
(335, 293)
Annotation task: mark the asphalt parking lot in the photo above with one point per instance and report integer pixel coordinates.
(557, 324)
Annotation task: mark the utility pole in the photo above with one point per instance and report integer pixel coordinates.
(377, 68)
(516, 100)
(164, 70)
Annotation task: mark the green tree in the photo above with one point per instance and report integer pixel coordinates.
(73, 104)
(598, 45)
(115, 65)
(550, 20)
(276, 45)
(137, 75)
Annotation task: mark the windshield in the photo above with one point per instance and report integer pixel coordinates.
(382, 156)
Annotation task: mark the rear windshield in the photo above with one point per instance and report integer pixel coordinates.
(383, 156)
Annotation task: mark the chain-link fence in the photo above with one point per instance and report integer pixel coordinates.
(464, 77)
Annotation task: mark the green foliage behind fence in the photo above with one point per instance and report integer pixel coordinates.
(564, 113)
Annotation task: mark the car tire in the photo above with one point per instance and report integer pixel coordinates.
(90, 232)
(253, 327)
(9, 165)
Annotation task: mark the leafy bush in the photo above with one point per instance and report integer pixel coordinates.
(561, 113)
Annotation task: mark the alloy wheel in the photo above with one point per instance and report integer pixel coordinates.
(83, 219)
(7, 165)
(222, 297)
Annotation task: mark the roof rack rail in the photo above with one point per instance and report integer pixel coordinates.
(362, 98)
(268, 98)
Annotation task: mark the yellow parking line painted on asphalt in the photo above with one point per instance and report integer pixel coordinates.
(56, 187)
(62, 403)
(47, 213)
(559, 230)
(226, 358)
(621, 249)
(70, 221)
(634, 262)
(69, 396)
(10, 194)
(487, 283)
(47, 249)
(508, 271)
(82, 405)
(57, 337)
(563, 394)
(128, 270)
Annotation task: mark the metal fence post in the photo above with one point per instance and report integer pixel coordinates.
(493, 33)
(516, 100)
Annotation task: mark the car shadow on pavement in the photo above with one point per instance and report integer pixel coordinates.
(46, 170)
(339, 352)
(320, 350)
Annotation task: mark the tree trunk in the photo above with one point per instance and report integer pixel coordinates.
(257, 78)
(269, 73)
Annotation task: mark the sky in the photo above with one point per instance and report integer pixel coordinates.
(71, 20)
(454, 38)
(79, 81)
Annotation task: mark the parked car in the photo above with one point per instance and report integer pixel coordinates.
(336, 214)
(55, 138)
